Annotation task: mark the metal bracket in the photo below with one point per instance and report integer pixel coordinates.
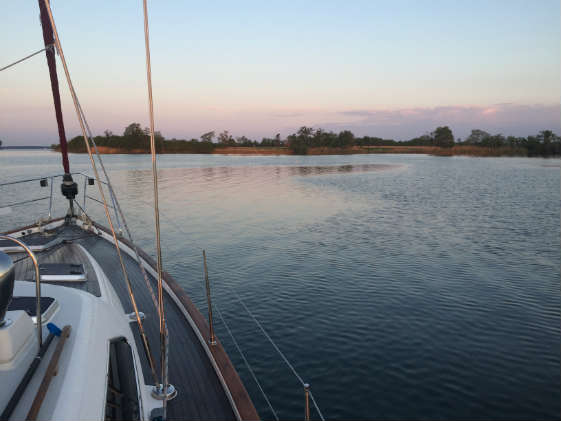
(159, 393)
(132, 316)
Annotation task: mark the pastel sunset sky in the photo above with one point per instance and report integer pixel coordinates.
(388, 68)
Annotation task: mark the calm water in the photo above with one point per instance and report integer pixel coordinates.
(400, 286)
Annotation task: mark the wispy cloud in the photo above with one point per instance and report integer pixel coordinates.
(288, 114)
(399, 124)
(506, 118)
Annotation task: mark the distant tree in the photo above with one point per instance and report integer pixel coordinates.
(108, 133)
(476, 137)
(305, 132)
(423, 140)
(244, 141)
(443, 137)
(266, 142)
(346, 138)
(514, 141)
(300, 141)
(298, 146)
(546, 137)
(158, 137)
(276, 141)
(207, 137)
(0, 143)
(225, 138)
(318, 138)
(494, 141)
(133, 130)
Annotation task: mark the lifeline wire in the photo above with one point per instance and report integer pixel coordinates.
(278, 350)
(25, 58)
(180, 229)
(246, 363)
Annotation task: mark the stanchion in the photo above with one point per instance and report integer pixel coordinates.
(307, 398)
(212, 339)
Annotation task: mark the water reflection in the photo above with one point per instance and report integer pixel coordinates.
(238, 199)
(337, 169)
(431, 292)
(213, 174)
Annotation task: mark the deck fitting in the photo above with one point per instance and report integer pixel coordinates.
(158, 392)
(132, 316)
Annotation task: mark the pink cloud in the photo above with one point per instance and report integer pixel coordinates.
(508, 119)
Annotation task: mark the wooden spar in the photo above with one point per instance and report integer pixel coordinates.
(52, 370)
(50, 52)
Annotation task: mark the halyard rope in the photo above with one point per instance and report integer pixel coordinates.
(246, 363)
(26, 57)
(102, 194)
(118, 208)
(316, 406)
(164, 337)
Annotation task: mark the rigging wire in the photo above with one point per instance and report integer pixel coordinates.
(117, 206)
(246, 363)
(314, 402)
(316, 405)
(102, 194)
(278, 350)
(163, 329)
(50, 46)
(164, 337)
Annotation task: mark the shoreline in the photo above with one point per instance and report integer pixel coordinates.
(458, 150)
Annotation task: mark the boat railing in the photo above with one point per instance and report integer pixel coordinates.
(37, 286)
(48, 181)
(90, 181)
(308, 396)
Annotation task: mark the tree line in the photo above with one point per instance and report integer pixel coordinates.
(137, 139)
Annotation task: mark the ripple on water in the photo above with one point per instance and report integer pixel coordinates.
(401, 287)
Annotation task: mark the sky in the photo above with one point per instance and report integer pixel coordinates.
(388, 68)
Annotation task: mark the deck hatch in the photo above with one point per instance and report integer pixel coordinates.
(29, 305)
(122, 394)
(62, 272)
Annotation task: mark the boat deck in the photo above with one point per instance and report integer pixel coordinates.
(200, 392)
(65, 250)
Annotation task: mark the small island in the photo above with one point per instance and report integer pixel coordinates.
(310, 141)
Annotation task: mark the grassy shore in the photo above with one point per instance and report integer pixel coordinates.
(465, 150)
(470, 150)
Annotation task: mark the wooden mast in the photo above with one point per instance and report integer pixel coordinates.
(50, 52)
